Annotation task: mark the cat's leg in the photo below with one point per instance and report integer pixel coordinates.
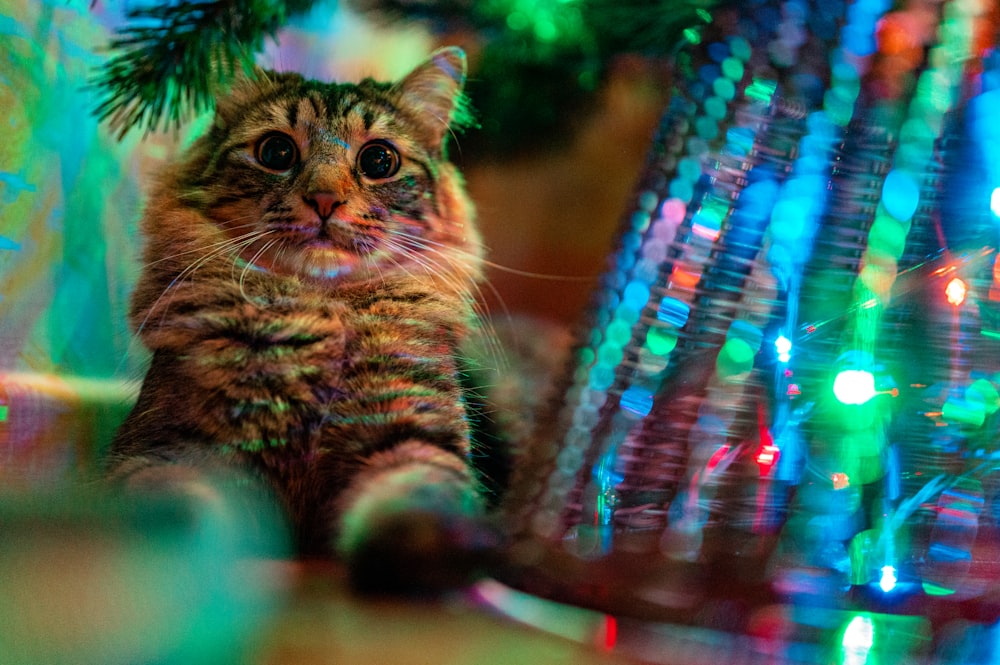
(412, 521)
(207, 493)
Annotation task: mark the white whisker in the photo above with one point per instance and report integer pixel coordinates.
(250, 265)
(428, 243)
(419, 253)
(209, 246)
(220, 249)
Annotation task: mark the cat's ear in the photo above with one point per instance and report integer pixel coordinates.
(432, 92)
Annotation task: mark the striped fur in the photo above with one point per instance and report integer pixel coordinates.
(316, 353)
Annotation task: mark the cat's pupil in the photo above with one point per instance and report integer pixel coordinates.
(277, 152)
(378, 160)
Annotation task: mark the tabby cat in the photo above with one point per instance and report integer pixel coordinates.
(309, 271)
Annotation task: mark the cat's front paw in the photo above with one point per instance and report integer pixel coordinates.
(417, 528)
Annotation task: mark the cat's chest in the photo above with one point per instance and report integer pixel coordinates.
(267, 372)
(255, 371)
(270, 347)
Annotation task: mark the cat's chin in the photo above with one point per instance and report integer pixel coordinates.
(322, 263)
(318, 264)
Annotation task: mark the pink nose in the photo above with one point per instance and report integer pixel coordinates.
(324, 203)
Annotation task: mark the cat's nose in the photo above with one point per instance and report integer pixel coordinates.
(324, 203)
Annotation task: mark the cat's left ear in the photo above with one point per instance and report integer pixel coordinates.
(433, 92)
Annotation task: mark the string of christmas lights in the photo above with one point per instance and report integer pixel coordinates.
(813, 357)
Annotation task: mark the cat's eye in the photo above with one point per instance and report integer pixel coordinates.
(277, 152)
(378, 159)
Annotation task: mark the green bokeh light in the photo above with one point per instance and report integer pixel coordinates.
(985, 393)
(661, 341)
(735, 358)
(854, 386)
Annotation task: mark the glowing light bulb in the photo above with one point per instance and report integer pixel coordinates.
(854, 386)
(889, 578)
(840, 481)
(956, 291)
(767, 457)
(783, 346)
(859, 637)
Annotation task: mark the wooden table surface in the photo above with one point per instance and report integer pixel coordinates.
(326, 625)
(70, 599)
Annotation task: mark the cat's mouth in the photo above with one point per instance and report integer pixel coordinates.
(322, 252)
(324, 240)
(317, 259)
(331, 233)
(330, 238)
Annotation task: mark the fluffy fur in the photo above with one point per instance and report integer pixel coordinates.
(304, 298)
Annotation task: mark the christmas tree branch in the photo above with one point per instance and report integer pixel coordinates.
(172, 59)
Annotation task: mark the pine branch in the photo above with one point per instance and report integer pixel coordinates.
(172, 58)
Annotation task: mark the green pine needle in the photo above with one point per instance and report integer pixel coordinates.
(173, 58)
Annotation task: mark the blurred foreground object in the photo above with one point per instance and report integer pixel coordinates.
(88, 581)
(52, 427)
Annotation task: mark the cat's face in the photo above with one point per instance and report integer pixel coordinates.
(338, 181)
